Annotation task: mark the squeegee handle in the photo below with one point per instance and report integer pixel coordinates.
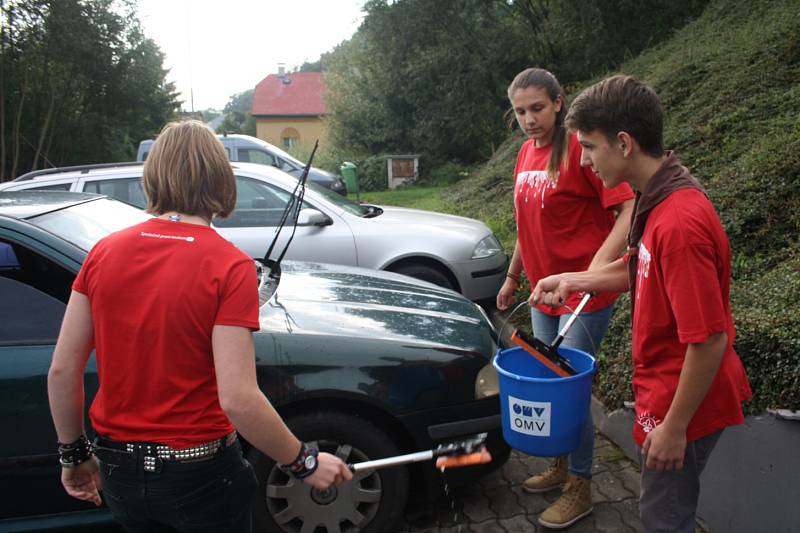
(565, 329)
(392, 461)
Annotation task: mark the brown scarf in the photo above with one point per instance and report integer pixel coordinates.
(670, 177)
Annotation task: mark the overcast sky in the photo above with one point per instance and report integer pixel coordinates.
(217, 48)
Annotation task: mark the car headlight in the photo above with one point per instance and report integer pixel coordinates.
(487, 383)
(487, 247)
(337, 184)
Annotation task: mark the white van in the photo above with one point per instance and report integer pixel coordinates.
(253, 150)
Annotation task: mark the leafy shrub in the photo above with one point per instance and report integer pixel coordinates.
(445, 173)
(487, 193)
(728, 82)
(372, 173)
(768, 334)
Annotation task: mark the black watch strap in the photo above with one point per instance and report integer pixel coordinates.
(304, 465)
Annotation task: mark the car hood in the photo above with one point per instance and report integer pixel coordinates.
(404, 216)
(353, 304)
(317, 174)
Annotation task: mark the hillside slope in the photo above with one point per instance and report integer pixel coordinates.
(730, 84)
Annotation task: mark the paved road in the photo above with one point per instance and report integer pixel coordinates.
(497, 503)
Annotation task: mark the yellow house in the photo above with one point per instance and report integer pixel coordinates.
(289, 108)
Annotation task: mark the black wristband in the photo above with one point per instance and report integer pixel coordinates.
(304, 465)
(74, 453)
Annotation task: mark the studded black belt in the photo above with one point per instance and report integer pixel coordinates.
(153, 454)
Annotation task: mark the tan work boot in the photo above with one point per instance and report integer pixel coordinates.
(553, 478)
(575, 503)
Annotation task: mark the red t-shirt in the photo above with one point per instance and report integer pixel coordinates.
(156, 290)
(682, 296)
(561, 225)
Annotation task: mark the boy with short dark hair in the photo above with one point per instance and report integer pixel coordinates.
(688, 381)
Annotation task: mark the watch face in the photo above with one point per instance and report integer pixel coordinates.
(310, 462)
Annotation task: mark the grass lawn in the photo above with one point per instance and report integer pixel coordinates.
(416, 197)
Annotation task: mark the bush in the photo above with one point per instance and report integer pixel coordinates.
(487, 193)
(446, 173)
(612, 383)
(727, 82)
(768, 334)
(728, 85)
(372, 173)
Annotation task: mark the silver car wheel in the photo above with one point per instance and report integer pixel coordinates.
(299, 508)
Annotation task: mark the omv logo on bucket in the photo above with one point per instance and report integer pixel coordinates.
(531, 418)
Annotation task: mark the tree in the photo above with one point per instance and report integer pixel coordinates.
(84, 83)
(579, 39)
(238, 116)
(242, 102)
(422, 76)
(430, 76)
(311, 66)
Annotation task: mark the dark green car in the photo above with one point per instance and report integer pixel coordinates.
(366, 364)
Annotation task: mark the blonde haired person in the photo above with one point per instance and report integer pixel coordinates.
(169, 306)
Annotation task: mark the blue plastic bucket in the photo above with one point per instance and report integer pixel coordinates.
(543, 414)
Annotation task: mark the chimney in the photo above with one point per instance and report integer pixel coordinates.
(281, 70)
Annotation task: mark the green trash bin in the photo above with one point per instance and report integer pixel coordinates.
(350, 174)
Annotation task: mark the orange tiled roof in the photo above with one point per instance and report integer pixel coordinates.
(301, 96)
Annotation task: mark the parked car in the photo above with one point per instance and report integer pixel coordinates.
(365, 364)
(454, 252)
(249, 149)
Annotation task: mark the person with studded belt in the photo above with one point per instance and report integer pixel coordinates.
(169, 308)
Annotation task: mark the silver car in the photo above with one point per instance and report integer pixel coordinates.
(454, 252)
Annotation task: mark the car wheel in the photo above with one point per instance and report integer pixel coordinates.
(374, 501)
(425, 273)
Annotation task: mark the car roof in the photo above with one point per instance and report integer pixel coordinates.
(127, 170)
(100, 169)
(135, 168)
(28, 204)
(221, 136)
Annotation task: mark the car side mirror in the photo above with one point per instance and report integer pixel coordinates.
(312, 217)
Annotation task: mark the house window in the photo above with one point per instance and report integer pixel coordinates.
(290, 138)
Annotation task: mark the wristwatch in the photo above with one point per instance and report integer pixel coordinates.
(304, 465)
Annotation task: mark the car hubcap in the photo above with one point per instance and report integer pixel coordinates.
(324, 497)
(298, 508)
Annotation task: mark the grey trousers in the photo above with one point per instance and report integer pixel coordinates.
(668, 500)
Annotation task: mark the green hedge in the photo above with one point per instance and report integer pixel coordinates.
(768, 333)
(372, 173)
(728, 82)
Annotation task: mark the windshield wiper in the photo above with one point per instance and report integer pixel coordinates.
(271, 271)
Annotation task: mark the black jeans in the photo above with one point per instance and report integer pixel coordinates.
(211, 495)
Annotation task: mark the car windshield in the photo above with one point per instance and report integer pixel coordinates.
(288, 157)
(343, 202)
(86, 223)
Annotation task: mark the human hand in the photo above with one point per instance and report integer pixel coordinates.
(83, 481)
(664, 448)
(330, 471)
(552, 290)
(505, 297)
